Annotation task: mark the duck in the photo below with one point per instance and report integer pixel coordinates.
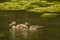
(13, 25)
(25, 27)
(35, 27)
(22, 26)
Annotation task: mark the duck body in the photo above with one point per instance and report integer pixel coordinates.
(34, 28)
(22, 27)
(25, 27)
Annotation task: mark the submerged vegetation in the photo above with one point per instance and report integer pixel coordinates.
(1, 35)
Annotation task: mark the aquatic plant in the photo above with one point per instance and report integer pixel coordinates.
(49, 15)
(31, 5)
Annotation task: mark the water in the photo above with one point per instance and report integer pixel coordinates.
(50, 31)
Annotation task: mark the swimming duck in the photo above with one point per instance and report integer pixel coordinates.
(22, 26)
(13, 25)
(35, 28)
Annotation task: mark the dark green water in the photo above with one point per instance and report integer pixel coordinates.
(50, 31)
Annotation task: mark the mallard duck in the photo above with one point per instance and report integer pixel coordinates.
(22, 26)
(13, 25)
(35, 27)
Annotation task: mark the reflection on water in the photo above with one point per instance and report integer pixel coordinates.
(24, 35)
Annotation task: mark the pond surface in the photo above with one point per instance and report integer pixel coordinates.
(50, 30)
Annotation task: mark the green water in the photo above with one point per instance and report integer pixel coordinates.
(50, 31)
